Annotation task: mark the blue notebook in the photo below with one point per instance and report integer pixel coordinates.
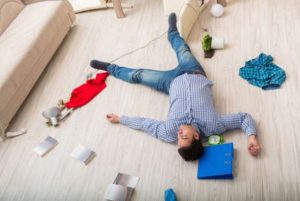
(216, 162)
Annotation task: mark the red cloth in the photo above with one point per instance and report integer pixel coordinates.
(87, 91)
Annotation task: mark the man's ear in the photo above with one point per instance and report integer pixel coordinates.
(196, 136)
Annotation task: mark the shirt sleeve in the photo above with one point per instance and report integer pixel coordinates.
(153, 127)
(239, 121)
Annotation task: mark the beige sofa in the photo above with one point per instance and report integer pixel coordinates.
(30, 33)
(187, 12)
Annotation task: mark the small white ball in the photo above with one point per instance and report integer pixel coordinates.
(217, 10)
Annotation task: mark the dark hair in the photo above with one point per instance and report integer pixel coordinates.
(192, 152)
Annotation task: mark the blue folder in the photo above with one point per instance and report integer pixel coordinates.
(216, 162)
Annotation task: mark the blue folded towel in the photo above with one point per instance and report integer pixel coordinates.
(170, 195)
(261, 72)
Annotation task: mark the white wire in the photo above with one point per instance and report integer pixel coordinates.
(90, 75)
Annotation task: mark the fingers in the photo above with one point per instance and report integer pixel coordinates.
(112, 118)
(109, 117)
(254, 152)
(253, 146)
(254, 149)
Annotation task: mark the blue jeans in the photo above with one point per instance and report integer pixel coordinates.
(161, 80)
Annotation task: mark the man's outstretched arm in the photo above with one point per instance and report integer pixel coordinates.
(239, 121)
(245, 122)
(153, 127)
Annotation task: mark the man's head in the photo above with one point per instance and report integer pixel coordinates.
(189, 142)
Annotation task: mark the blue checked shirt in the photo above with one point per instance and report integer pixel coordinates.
(191, 103)
(261, 72)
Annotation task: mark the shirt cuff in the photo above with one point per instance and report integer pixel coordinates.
(124, 120)
(250, 132)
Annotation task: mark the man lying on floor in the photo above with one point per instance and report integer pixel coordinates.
(191, 114)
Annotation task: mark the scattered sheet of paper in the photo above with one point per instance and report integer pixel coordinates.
(116, 192)
(83, 154)
(44, 147)
(122, 188)
(126, 180)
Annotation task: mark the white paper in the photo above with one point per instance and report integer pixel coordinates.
(126, 180)
(44, 147)
(116, 192)
(83, 154)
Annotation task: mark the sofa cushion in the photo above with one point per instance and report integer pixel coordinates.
(26, 47)
(9, 9)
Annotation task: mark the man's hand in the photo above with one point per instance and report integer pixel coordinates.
(115, 119)
(253, 146)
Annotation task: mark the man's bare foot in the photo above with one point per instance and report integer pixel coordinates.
(253, 145)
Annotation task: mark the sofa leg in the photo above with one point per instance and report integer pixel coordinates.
(222, 2)
(118, 8)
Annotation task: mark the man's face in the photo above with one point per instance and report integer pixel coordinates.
(185, 135)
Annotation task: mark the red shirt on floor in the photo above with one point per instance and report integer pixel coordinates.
(87, 91)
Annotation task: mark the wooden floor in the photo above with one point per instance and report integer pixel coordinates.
(249, 28)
